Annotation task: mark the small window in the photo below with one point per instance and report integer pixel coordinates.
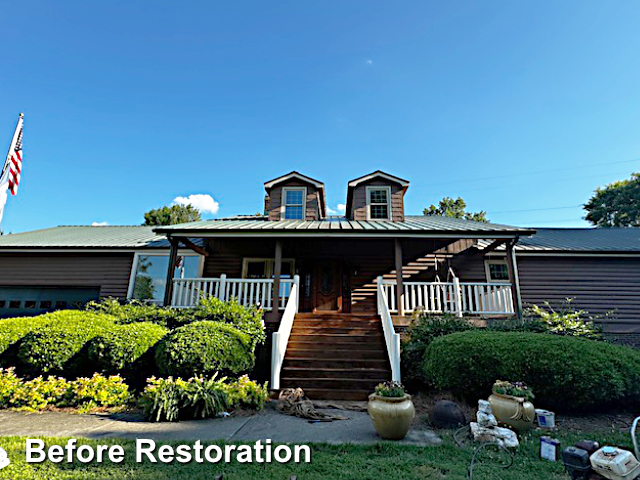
(294, 203)
(497, 271)
(61, 304)
(14, 304)
(3, 303)
(45, 304)
(379, 203)
(263, 268)
(29, 304)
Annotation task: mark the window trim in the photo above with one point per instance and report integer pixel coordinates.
(371, 188)
(269, 265)
(283, 202)
(487, 270)
(136, 259)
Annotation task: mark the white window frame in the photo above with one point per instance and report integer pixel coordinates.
(283, 206)
(136, 259)
(487, 270)
(369, 189)
(268, 267)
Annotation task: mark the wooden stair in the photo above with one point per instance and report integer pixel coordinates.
(334, 356)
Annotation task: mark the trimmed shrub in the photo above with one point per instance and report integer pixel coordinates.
(204, 348)
(57, 346)
(39, 393)
(566, 373)
(12, 330)
(136, 311)
(123, 345)
(422, 331)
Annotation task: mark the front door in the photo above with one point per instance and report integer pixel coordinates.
(328, 291)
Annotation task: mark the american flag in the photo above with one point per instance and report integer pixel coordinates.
(14, 160)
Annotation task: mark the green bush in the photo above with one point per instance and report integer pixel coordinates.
(565, 321)
(39, 393)
(123, 345)
(246, 319)
(57, 346)
(170, 400)
(12, 330)
(204, 348)
(567, 373)
(422, 331)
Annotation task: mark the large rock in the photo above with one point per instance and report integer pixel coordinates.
(447, 414)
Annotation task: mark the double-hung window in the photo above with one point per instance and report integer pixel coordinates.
(294, 203)
(496, 270)
(379, 203)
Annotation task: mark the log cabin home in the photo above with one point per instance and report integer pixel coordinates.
(336, 290)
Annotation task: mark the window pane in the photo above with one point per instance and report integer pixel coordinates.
(378, 196)
(498, 271)
(256, 269)
(293, 197)
(379, 211)
(151, 275)
(293, 213)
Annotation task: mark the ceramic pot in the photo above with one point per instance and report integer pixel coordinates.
(513, 411)
(391, 416)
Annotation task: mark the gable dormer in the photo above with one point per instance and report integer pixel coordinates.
(294, 197)
(377, 196)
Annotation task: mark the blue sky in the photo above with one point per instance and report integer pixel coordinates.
(514, 106)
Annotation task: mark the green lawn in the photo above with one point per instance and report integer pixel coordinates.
(379, 462)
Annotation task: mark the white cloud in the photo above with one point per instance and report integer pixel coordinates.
(99, 224)
(369, 62)
(203, 202)
(340, 209)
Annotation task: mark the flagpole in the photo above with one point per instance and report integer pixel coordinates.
(4, 182)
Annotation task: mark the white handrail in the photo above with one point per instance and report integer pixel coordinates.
(247, 291)
(280, 339)
(475, 298)
(391, 338)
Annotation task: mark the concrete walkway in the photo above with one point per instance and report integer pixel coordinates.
(266, 424)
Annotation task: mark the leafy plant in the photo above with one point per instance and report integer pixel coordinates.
(513, 389)
(204, 348)
(247, 394)
(100, 391)
(576, 323)
(390, 389)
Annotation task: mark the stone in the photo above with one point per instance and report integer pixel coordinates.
(502, 436)
(486, 419)
(447, 414)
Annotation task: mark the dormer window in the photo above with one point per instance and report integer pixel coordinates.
(294, 204)
(379, 203)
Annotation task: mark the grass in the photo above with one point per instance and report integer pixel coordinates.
(352, 462)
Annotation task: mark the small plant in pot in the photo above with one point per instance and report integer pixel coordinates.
(391, 410)
(511, 404)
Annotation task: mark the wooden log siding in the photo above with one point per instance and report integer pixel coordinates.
(274, 202)
(359, 200)
(109, 272)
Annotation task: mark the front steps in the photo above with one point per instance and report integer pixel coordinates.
(334, 356)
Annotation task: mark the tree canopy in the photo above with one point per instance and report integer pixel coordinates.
(616, 204)
(448, 207)
(172, 215)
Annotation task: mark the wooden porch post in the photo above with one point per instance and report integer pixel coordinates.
(277, 270)
(173, 257)
(399, 285)
(512, 266)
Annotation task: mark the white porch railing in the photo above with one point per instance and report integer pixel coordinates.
(391, 338)
(280, 339)
(454, 297)
(248, 291)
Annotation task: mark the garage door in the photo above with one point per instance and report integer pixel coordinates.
(19, 301)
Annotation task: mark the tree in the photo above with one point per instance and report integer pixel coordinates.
(172, 215)
(448, 207)
(616, 204)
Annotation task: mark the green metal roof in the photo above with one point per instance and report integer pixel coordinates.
(340, 226)
(86, 237)
(608, 240)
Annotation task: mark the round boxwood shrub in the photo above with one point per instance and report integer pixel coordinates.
(565, 373)
(12, 330)
(123, 345)
(58, 345)
(203, 348)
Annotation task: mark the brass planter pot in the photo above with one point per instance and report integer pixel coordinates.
(391, 416)
(513, 411)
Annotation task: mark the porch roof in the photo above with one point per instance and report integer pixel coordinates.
(428, 226)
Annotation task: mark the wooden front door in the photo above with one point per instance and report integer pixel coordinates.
(328, 286)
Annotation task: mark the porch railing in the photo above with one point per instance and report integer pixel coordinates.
(391, 338)
(280, 339)
(248, 291)
(454, 297)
